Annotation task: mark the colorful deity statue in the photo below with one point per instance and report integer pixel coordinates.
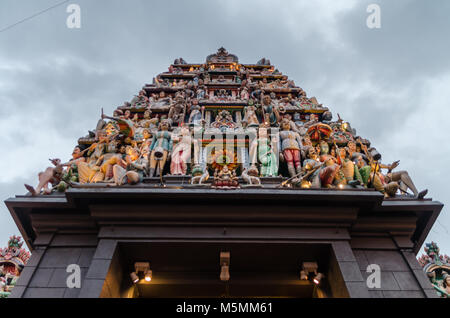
(311, 166)
(244, 95)
(267, 156)
(181, 154)
(388, 183)
(225, 178)
(328, 172)
(51, 175)
(250, 115)
(201, 92)
(347, 166)
(89, 171)
(196, 116)
(403, 180)
(177, 110)
(437, 268)
(146, 123)
(224, 120)
(140, 101)
(160, 148)
(133, 169)
(162, 104)
(271, 114)
(13, 258)
(291, 145)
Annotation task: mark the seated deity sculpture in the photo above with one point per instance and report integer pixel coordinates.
(225, 178)
(224, 120)
(140, 101)
(310, 169)
(131, 170)
(163, 103)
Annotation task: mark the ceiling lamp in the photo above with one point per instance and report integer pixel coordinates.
(303, 275)
(318, 278)
(143, 267)
(311, 267)
(134, 278)
(148, 275)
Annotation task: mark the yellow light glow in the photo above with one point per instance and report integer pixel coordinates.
(303, 275)
(148, 275)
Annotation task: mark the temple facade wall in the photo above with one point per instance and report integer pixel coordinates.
(99, 258)
(401, 275)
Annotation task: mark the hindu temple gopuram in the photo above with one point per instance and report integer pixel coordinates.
(437, 268)
(223, 179)
(13, 258)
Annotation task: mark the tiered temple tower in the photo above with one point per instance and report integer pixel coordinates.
(223, 179)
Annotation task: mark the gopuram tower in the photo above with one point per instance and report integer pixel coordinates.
(223, 179)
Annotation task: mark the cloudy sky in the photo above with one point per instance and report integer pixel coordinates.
(391, 83)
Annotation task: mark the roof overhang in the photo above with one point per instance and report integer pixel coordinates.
(357, 210)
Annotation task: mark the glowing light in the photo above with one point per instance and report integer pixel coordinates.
(318, 278)
(303, 275)
(148, 275)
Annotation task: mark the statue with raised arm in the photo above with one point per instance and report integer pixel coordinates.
(51, 175)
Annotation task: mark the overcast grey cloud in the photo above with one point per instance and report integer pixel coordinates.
(390, 83)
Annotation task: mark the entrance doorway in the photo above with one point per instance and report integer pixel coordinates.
(192, 269)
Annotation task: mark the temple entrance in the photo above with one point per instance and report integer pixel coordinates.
(194, 269)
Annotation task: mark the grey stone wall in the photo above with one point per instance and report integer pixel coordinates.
(45, 275)
(401, 274)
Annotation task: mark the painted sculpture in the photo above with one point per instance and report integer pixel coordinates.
(13, 259)
(437, 268)
(183, 125)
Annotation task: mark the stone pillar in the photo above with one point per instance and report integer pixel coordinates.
(348, 266)
(96, 283)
